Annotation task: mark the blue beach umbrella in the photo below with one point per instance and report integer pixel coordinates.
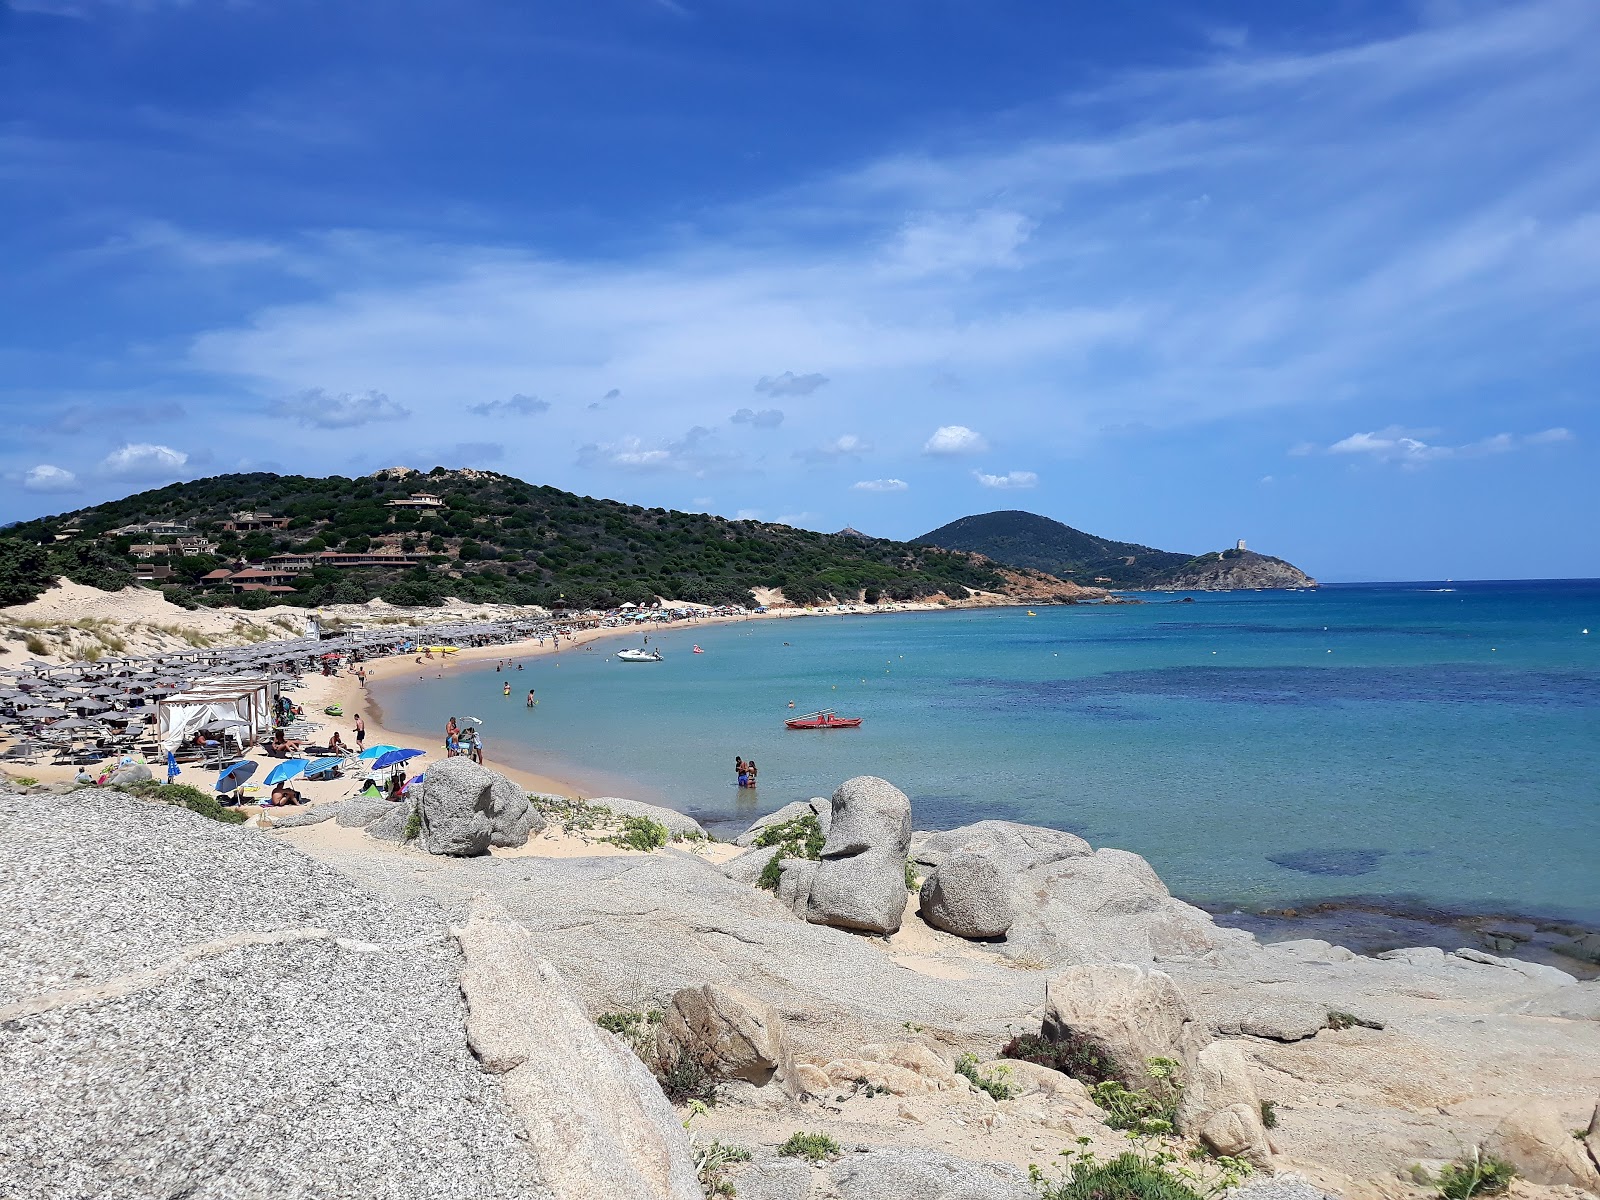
(394, 758)
(323, 764)
(286, 770)
(235, 776)
(372, 752)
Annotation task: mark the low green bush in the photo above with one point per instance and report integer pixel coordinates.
(800, 837)
(185, 796)
(414, 824)
(813, 1147)
(1269, 1114)
(1142, 1110)
(638, 1029)
(640, 833)
(997, 1083)
(1125, 1177)
(1072, 1055)
(1481, 1175)
(772, 873)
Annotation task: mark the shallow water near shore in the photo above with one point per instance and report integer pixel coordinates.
(1433, 744)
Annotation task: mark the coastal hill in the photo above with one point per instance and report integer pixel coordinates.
(1025, 539)
(414, 539)
(1234, 570)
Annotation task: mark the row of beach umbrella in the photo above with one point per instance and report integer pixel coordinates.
(240, 773)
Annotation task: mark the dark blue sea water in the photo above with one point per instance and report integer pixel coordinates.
(1430, 742)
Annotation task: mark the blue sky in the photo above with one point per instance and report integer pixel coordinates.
(1326, 277)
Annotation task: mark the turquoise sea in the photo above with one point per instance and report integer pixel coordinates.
(1429, 744)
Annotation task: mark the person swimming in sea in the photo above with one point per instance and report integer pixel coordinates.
(507, 690)
(532, 700)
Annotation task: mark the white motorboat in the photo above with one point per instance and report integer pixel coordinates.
(638, 656)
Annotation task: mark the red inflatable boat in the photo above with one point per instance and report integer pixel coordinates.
(822, 720)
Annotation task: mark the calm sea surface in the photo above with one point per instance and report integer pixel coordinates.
(1432, 743)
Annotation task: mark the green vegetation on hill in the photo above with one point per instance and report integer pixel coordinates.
(496, 538)
(1024, 539)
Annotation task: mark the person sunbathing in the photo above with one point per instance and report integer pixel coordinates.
(336, 744)
(283, 796)
(281, 744)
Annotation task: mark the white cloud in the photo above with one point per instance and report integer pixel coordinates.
(955, 439)
(1011, 480)
(960, 242)
(880, 485)
(767, 418)
(845, 446)
(518, 406)
(143, 460)
(315, 408)
(46, 478)
(698, 452)
(790, 384)
(1398, 445)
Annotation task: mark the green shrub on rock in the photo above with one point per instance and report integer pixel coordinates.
(800, 838)
(640, 833)
(1126, 1177)
(996, 1082)
(1481, 1175)
(813, 1147)
(1073, 1055)
(1142, 1110)
(185, 796)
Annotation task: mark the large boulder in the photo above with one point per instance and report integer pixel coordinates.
(596, 1120)
(1126, 1012)
(1219, 1105)
(131, 773)
(1538, 1141)
(1109, 906)
(677, 823)
(1016, 847)
(467, 808)
(969, 893)
(359, 813)
(860, 882)
(730, 1034)
(818, 807)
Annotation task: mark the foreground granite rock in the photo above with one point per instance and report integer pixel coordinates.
(192, 1009)
(465, 809)
(596, 1121)
(969, 894)
(860, 882)
(731, 1035)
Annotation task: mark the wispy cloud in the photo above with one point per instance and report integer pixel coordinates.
(698, 452)
(316, 408)
(845, 446)
(1011, 480)
(880, 485)
(1406, 447)
(517, 406)
(767, 418)
(790, 384)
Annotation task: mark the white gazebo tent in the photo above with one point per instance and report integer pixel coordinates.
(240, 706)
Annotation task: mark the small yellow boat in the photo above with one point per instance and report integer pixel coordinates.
(1031, 613)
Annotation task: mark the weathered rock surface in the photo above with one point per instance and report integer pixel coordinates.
(1285, 1185)
(192, 1008)
(1536, 1139)
(1253, 1013)
(730, 1034)
(860, 881)
(1017, 847)
(1130, 1013)
(132, 773)
(596, 1121)
(358, 813)
(818, 806)
(969, 893)
(466, 809)
(677, 823)
(1538, 971)
(1109, 906)
(1219, 1105)
(315, 815)
(906, 1174)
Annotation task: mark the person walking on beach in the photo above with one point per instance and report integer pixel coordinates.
(361, 733)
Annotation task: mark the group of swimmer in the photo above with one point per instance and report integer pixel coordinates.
(465, 742)
(744, 771)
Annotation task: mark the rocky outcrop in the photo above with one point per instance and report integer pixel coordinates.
(1015, 847)
(729, 1034)
(1109, 906)
(194, 1009)
(466, 808)
(1129, 1014)
(1219, 1105)
(1535, 1139)
(132, 773)
(884, 1173)
(1233, 570)
(818, 806)
(860, 882)
(678, 824)
(596, 1120)
(969, 894)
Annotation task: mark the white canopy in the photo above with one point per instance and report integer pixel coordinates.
(240, 705)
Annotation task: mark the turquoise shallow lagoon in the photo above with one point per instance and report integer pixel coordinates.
(1399, 741)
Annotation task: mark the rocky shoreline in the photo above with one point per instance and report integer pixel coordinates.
(411, 1001)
